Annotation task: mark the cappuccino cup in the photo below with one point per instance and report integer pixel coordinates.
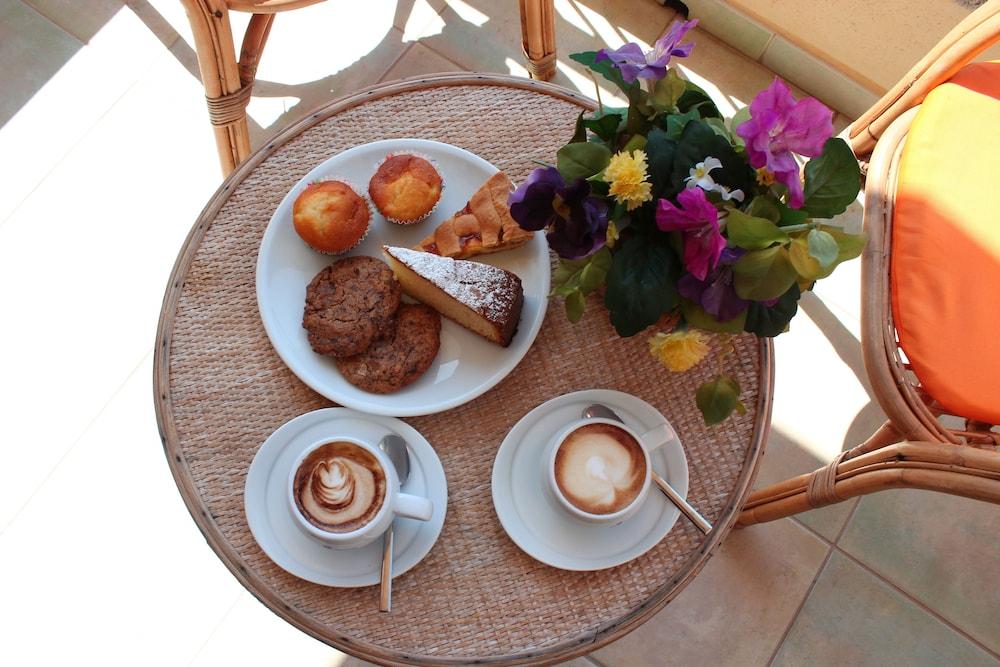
(344, 492)
(599, 471)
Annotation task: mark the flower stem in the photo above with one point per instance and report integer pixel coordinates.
(597, 89)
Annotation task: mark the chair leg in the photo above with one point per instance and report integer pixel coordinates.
(944, 467)
(538, 37)
(224, 92)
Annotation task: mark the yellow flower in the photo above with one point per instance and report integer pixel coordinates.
(626, 173)
(765, 177)
(680, 350)
(612, 234)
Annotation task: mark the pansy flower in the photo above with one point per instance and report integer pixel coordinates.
(633, 63)
(576, 222)
(698, 220)
(780, 126)
(716, 293)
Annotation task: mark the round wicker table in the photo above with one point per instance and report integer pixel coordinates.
(220, 390)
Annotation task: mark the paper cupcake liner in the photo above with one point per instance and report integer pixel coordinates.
(437, 167)
(364, 198)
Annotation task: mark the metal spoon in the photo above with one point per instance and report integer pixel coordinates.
(598, 410)
(395, 448)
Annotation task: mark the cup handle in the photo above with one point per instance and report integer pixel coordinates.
(414, 507)
(658, 437)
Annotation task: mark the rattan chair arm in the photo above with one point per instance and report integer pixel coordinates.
(976, 33)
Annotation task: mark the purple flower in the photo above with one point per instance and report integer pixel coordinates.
(634, 64)
(779, 126)
(577, 222)
(698, 219)
(716, 293)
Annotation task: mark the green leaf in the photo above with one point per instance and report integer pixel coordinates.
(677, 122)
(753, 233)
(635, 143)
(849, 246)
(718, 126)
(605, 68)
(718, 398)
(575, 305)
(660, 152)
(579, 131)
(790, 216)
(641, 284)
(833, 180)
(765, 274)
(803, 262)
(740, 117)
(823, 247)
(582, 160)
(667, 91)
(585, 275)
(605, 127)
(639, 112)
(769, 321)
(764, 207)
(695, 97)
(696, 316)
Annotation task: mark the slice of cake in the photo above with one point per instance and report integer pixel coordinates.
(482, 227)
(482, 298)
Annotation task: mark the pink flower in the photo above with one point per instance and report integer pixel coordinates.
(779, 126)
(698, 219)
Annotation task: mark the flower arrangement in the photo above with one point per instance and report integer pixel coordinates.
(686, 219)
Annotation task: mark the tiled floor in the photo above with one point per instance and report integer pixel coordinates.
(108, 158)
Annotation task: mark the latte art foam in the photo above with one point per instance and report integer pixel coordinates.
(339, 487)
(600, 468)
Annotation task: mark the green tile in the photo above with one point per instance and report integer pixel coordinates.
(732, 27)
(32, 50)
(736, 610)
(853, 618)
(940, 549)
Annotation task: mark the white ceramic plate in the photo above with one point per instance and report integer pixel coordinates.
(270, 519)
(467, 365)
(548, 533)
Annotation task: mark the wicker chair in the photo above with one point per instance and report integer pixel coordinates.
(923, 444)
(228, 82)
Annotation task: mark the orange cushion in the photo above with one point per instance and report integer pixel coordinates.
(945, 263)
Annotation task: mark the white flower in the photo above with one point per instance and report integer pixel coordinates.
(700, 176)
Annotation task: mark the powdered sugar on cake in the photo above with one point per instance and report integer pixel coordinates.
(462, 280)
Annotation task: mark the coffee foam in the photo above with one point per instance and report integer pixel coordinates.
(339, 487)
(600, 468)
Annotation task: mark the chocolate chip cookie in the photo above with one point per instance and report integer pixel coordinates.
(399, 359)
(350, 304)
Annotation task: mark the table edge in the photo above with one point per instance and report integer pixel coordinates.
(565, 650)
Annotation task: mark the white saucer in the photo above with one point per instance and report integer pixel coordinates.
(546, 532)
(291, 549)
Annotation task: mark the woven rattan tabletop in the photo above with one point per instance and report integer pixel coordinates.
(221, 390)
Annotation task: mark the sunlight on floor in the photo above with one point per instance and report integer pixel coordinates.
(468, 13)
(423, 21)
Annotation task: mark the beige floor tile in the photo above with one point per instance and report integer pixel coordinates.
(822, 401)
(44, 130)
(415, 15)
(105, 566)
(736, 610)
(316, 59)
(97, 237)
(420, 60)
(83, 20)
(937, 548)
(853, 618)
(486, 36)
(32, 49)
